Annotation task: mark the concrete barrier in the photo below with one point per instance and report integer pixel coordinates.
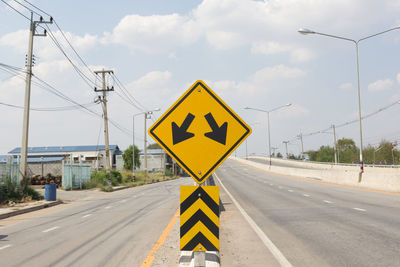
(386, 179)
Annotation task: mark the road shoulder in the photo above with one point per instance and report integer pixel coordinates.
(239, 244)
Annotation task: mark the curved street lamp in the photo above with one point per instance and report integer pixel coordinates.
(306, 31)
(269, 134)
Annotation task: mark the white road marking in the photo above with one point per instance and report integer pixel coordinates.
(87, 215)
(306, 195)
(280, 187)
(6, 246)
(271, 184)
(123, 201)
(290, 190)
(51, 229)
(359, 209)
(264, 238)
(107, 207)
(327, 201)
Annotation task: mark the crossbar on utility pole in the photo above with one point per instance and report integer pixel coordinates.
(25, 125)
(103, 100)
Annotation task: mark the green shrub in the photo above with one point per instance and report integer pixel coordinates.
(11, 191)
(168, 173)
(107, 188)
(115, 177)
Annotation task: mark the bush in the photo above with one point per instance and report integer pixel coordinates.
(115, 177)
(11, 191)
(168, 172)
(107, 188)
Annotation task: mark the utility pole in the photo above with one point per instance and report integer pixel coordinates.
(145, 144)
(302, 146)
(274, 149)
(103, 100)
(334, 143)
(286, 142)
(25, 125)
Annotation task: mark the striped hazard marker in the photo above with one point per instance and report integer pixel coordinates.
(199, 220)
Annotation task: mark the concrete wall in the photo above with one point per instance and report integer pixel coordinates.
(387, 179)
(154, 162)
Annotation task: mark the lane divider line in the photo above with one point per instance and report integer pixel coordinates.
(87, 215)
(6, 246)
(107, 207)
(264, 238)
(150, 257)
(290, 190)
(359, 209)
(51, 229)
(327, 201)
(306, 195)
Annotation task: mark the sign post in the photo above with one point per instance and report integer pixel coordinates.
(199, 131)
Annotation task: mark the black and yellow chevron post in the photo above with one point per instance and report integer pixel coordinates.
(199, 222)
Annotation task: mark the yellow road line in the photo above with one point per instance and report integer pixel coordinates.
(323, 182)
(150, 257)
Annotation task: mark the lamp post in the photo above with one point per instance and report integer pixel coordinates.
(269, 132)
(356, 42)
(146, 113)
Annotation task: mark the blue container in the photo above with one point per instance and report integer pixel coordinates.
(50, 192)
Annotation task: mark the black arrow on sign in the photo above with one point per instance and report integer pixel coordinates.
(180, 134)
(218, 134)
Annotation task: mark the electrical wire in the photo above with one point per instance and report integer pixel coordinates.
(64, 108)
(16, 10)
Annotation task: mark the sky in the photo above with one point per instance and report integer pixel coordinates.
(248, 52)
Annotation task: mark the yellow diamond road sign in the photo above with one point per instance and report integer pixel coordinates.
(199, 131)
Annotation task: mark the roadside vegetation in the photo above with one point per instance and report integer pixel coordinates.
(11, 192)
(105, 181)
(383, 154)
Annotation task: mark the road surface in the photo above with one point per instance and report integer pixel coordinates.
(315, 224)
(118, 229)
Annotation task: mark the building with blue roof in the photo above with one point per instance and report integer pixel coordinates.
(89, 154)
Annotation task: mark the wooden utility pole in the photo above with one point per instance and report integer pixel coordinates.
(103, 100)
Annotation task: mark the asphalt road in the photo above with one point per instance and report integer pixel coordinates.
(315, 224)
(117, 229)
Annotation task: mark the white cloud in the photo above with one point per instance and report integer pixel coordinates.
(153, 34)
(346, 86)
(268, 48)
(301, 55)
(44, 48)
(398, 78)
(380, 85)
(279, 72)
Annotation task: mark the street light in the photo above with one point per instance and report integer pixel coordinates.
(308, 31)
(146, 113)
(269, 134)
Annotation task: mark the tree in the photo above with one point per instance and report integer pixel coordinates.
(279, 155)
(127, 157)
(348, 152)
(154, 146)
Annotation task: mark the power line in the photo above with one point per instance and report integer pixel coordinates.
(64, 108)
(16, 10)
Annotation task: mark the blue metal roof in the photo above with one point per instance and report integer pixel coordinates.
(44, 159)
(62, 149)
(3, 158)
